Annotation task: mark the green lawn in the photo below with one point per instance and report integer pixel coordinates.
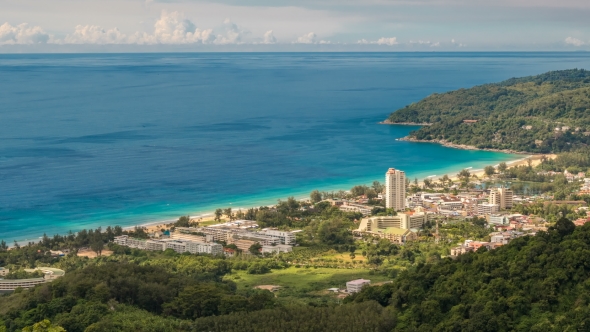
(300, 281)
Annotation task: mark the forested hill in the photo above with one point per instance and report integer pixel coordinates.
(545, 113)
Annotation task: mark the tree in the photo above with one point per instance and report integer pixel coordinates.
(464, 174)
(502, 167)
(218, 214)
(44, 326)
(183, 221)
(255, 249)
(427, 183)
(564, 226)
(97, 246)
(371, 193)
(228, 213)
(489, 170)
(358, 190)
(378, 187)
(315, 196)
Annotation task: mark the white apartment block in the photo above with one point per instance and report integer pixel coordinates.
(355, 286)
(284, 237)
(395, 189)
(487, 208)
(503, 197)
(401, 221)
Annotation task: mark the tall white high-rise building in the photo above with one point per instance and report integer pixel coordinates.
(395, 189)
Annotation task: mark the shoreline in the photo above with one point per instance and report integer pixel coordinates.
(209, 214)
(468, 147)
(387, 122)
(154, 223)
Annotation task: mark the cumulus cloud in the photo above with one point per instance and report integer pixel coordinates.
(22, 34)
(174, 28)
(233, 34)
(269, 37)
(574, 41)
(310, 38)
(381, 41)
(92, 34)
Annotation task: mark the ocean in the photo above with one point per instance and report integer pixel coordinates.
(91, 140)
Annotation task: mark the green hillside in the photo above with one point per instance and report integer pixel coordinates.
(519, 114)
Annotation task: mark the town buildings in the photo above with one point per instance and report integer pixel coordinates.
(395, 189)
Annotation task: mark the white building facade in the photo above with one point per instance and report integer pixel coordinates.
(395, 189)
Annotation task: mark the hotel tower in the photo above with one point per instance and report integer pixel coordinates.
(395, 189)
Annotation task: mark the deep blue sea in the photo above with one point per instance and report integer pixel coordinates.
(127, 139)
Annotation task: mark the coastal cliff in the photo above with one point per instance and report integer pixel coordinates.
(547, 113)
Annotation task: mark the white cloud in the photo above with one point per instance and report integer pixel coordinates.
(425, 43)
(310, 38)
(387, 41)
(574, 41)
(381, 41)
(22, 34)
(269, 37)
(92, 34)
(174, 28)
(456, 43)
(233, 34)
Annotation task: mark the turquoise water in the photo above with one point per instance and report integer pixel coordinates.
(127, 139)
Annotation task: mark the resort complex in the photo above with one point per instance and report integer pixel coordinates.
(49, 274)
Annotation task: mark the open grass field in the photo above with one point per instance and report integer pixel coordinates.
(303, 280)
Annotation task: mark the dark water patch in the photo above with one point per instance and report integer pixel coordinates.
(106, 138)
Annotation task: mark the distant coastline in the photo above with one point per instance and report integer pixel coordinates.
(388, 122)
(464, 147)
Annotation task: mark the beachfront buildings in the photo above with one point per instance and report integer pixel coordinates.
(501, 197)
(176, 245)
(395, 189)
(355, 286)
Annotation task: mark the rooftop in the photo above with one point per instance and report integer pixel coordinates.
(359, 282)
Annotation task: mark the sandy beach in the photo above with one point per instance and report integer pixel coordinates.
(534, 160)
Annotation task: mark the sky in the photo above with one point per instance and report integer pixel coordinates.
(287, 25)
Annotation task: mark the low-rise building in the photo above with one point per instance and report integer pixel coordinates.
(487, 208)
(284, 237)
(4, 272)
(279, 248)
(179, 246)
(49, 274)
(496, 219)
(355, 286)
